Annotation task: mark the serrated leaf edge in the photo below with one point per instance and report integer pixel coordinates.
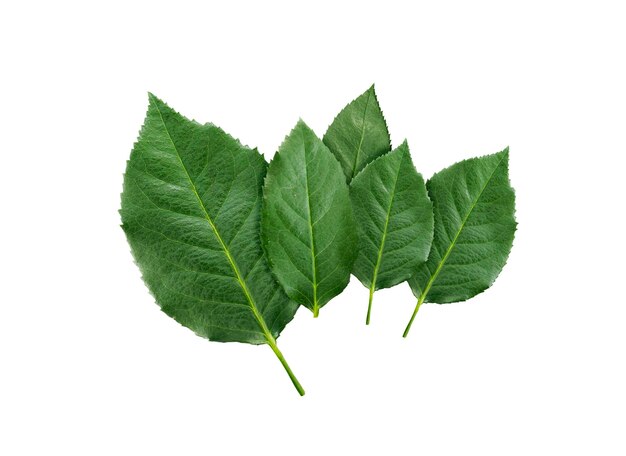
(505, 157)
(264, 242)
(370, 91)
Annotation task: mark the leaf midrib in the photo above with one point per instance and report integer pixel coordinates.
(242, 283)
(433, 277)
(356, 157)
(311, 237)
(384, 238)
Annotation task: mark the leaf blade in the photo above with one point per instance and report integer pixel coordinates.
(358, 134)
(191, 212)
(394, 220)
(474, 225)
(310, 252)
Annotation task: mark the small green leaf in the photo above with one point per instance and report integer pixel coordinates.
(191, 212)
(394, 220)
(474, 208)
(307, 224)
(358, 134)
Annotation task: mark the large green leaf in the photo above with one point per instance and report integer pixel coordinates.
(394, 220)
(358, 134)
(474, 208)
(191, 212)
(308, 226)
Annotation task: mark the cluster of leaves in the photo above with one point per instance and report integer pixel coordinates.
(231, 246)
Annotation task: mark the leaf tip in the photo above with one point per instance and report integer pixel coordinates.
(152, 97)
(156, 101)
(302, 125)
(504, 154)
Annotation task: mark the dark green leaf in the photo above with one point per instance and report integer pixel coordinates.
(474, 208)
(394, 220)
(308, 226)
(191, 212)
(358, 134)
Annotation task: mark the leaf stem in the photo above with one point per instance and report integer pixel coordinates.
(369, 305)
(272, 343)
(381, 248)
(417, 308)
(316, 311)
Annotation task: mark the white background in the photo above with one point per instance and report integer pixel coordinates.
(90, 366)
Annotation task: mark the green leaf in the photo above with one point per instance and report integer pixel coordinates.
(394, 221)
(308, 226)
(474, 208)
(358, 134)
(191, 212)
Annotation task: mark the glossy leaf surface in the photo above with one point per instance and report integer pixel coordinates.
(358, 134)
(308, 226)
(394, 220)
(474, 207)
(191, 212)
